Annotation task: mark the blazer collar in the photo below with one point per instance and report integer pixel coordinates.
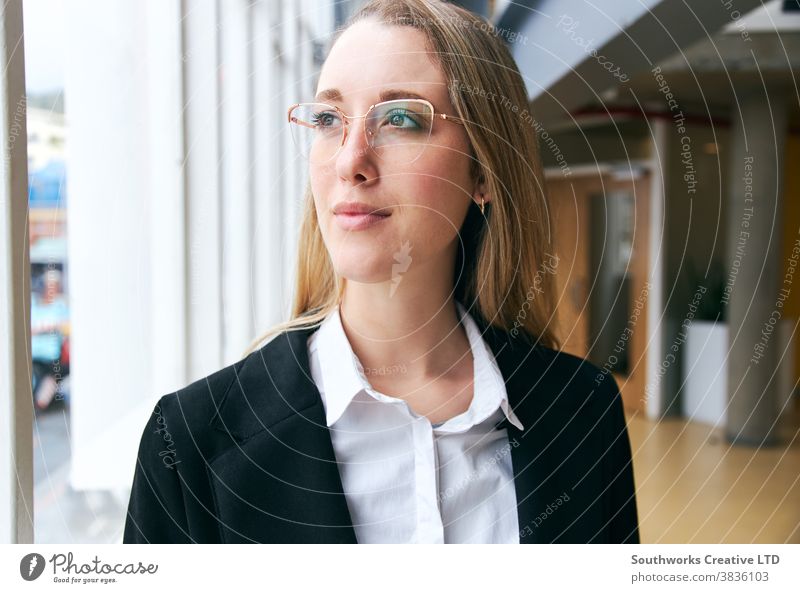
(281, 455)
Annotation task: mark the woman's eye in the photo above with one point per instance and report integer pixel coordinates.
(324, 119)
(401, 119)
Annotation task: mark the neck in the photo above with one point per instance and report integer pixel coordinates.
(415, 328)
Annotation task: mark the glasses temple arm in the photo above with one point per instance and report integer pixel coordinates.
(451, 118)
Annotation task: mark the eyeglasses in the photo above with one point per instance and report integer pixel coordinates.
(397, 130)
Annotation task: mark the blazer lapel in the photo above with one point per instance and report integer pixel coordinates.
(541, 478)
(277, 481)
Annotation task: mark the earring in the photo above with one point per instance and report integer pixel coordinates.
(481, 204)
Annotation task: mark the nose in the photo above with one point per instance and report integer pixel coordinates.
(355, 161)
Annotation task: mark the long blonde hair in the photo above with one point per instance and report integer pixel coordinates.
(504, 256)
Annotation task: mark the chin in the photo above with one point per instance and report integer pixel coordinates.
(363, 267)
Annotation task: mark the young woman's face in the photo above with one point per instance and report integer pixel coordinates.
(427, 199)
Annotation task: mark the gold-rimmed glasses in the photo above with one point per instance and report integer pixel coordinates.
(396, 130)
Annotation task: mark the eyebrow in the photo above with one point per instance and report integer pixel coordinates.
(385, 95)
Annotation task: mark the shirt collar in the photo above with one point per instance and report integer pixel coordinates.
(488, 382)
(343, 375)
(340, 371)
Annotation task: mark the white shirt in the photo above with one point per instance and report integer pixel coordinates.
(406, 480)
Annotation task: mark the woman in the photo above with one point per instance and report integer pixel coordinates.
(417, 394)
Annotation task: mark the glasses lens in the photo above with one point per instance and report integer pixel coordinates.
(399, 130)
(317, 131)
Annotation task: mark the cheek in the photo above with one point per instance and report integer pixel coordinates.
(438, 193)
(322, 188)
(322, 179)
(429, 215)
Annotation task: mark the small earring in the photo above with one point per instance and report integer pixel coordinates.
(481, 204)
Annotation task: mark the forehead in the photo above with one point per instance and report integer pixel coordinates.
(370, 57)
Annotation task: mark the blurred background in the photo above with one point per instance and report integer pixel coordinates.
(164, 201)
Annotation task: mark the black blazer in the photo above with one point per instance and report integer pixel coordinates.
(244, 455)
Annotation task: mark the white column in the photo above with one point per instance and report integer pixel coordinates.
(237, 170)
(202, 186)
(109, 249)
(16, 400)
(268, 114)
(166, 197)
(291, 72)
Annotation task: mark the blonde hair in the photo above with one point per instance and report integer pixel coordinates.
(503, 254)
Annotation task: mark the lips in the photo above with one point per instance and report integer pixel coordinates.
(356, 216)
(354, 208)
(359, 222)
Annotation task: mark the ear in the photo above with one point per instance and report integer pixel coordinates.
(481, 190)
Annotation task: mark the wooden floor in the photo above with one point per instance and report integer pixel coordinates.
(694, 487)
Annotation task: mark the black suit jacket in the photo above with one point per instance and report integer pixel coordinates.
(244, 455)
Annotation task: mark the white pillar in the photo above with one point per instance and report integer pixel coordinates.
(237, 171)
(296, 70)
(108, 236)
(268, 108)
(202, 186)
(166, 198)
